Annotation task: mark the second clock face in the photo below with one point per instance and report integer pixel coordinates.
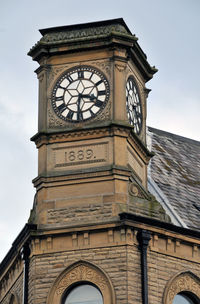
(133, 105)
(80, 94)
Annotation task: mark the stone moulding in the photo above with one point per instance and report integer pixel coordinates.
(77, 273)
(183, 282)
(83, 34)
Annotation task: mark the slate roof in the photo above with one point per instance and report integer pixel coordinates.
(174, 176)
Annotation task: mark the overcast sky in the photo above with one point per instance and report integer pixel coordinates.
(168, 33)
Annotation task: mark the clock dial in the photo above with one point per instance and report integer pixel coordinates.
(80, 94)
(133, 105)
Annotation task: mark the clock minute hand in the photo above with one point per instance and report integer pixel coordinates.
(78, 106)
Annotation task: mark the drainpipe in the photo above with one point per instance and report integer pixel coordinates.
(143, 237)
(25, 252)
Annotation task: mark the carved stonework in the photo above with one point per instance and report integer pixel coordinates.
(136, 190)
(186, 281)
(83, 33)
(54, 121)
(105, 114)
(81, 273)
(56, 71)
(41, 77)
(105, 66)
(120, 67)
(77, 273)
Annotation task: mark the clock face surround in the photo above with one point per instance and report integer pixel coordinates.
(133, 105)
(80, 94)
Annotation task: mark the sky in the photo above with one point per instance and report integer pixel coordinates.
(168, 33)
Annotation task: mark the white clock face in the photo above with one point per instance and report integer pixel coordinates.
(80, 94)
(133, 105)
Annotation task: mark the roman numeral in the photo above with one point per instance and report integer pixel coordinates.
(100, 93)
(70, 114)
(60, 87)
(62, 107)
(98, 103)
(69, 78)
(79, 115)
(99, 82)
(59, 98)
(80, 74)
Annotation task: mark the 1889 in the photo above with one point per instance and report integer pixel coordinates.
(78, 155)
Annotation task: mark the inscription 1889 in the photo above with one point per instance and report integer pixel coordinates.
(73, 155)
(78, 155)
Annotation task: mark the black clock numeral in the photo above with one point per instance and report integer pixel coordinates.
(98, 103)
(100, 93)
(91, 112)
(69, 78)
(80, 74)
(61, 87)
(70, 114)
(80, 115)
(59, 98)
(62, 107)
(99, 82)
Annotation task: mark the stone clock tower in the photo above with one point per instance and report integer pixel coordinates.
(95, 234)
(92, 123)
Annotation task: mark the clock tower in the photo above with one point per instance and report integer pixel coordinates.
(95, 234)
(91, 140)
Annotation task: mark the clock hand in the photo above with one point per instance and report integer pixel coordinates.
(78, 107)
(91, 97)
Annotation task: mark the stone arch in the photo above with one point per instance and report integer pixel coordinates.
(184, 281)
(80, 272)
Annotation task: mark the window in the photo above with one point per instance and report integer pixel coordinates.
(183, 299)
(84, 294)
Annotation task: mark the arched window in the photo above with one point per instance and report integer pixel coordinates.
(183, 298)
(82, 283)
(183, 288)
(84, 294)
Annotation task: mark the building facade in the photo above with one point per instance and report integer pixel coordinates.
(96, 234)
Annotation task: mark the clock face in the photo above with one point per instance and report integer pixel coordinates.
(133, 105)
(80, 94)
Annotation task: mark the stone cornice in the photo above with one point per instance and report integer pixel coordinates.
(94, 131)
(88, 36)
(83, 36)
(126, 217)
(106, 172)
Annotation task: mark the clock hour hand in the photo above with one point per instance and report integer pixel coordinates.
(91, 97)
